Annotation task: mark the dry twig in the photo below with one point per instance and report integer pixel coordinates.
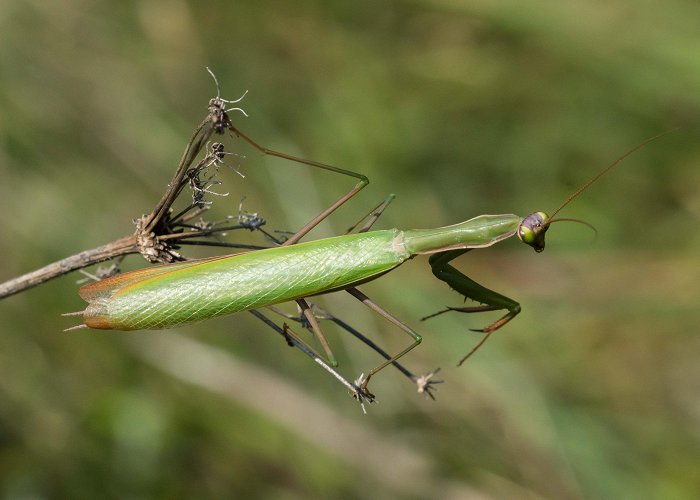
(158, 233)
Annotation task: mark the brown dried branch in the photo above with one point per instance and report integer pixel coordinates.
(158, 223)
(123, 246)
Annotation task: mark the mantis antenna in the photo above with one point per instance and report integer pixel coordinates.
(533, 227)
(600, 174)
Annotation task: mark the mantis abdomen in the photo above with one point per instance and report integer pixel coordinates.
(171, 295)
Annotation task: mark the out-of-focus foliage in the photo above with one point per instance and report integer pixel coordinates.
(458, 107)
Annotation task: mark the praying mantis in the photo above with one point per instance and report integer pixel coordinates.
(174, 294)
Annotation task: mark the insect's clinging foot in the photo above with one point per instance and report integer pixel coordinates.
(499, 322)
(360, 392)
(426, 385)
(361, 383)
(287, 336)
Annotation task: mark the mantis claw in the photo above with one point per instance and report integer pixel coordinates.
(287, 334)
(425, 384)
(361, 384)
(361, 393)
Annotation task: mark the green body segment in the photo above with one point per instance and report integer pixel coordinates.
(213, 287)
(174, 294)
(479, 232)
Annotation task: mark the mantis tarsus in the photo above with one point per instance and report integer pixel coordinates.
(174, 294)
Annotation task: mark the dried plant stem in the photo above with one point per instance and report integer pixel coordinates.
(149, 228)
(123, 246)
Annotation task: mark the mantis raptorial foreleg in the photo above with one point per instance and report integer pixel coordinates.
(470, 289)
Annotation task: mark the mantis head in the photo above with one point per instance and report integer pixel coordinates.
(532, 228)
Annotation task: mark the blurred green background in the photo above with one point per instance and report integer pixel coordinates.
(460, 108)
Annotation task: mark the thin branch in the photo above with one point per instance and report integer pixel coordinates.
(197, 141)
(123, 246)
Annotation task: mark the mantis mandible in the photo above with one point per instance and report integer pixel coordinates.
(175, 294)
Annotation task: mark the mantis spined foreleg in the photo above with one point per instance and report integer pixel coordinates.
(531, 231)
(470, 289)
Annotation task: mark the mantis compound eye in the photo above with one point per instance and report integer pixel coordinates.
(531, 230)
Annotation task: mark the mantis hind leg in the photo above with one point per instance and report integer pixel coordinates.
(425, 382)
(293, 339)
(310, 318)
(470, 289)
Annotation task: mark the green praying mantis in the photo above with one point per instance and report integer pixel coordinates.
(174, 294)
